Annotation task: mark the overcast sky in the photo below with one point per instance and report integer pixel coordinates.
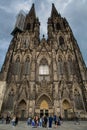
(75, 12)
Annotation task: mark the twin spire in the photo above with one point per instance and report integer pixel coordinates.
(30, 21)
(32, 13)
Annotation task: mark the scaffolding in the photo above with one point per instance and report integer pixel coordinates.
(19, 26)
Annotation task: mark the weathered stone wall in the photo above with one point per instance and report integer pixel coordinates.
(2, 92)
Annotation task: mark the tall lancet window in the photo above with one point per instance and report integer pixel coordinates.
(25, 43)
(43, 68)
(70, 66)
(60, 66)
(17, 66)
(10, 100)
(28, 27)
(27, 66)
(58, 27)
(61, 42)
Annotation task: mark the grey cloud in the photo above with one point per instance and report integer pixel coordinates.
(74, 10)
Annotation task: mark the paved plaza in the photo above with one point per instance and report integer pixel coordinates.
(67, 125)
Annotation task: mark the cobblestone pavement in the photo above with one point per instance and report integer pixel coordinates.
(67, 125)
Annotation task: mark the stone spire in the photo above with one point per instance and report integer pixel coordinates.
(54, 12)
(30, 19)
(32, 12)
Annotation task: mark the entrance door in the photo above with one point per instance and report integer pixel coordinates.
(66, 107)
(22, 108)
(44, 108)
(43, 112)
(22, 114)
(66, 114)
(46, 112)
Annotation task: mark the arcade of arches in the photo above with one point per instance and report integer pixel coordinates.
(44, 107)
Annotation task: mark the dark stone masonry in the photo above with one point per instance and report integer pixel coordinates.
(43, 76)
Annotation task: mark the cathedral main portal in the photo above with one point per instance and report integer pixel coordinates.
(44, 109)
(44, 106)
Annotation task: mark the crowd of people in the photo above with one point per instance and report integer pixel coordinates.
(36, 121)
(44, 121)
(8, 119)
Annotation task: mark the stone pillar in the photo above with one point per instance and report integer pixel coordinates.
(32, 108)
(56, 107)
(60, 104)
(2, 92)
(28, 105)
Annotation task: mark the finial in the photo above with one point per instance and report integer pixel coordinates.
(32, 11)
(54, 12)
(43, 35)
(52, 4)
(33, 4)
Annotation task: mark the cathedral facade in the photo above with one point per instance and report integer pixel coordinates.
(43, 76)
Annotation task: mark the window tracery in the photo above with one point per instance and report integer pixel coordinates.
(27, 66)
(43, 68)
(60, 66)
(17, 66)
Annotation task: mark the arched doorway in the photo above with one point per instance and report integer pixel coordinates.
(44, 108)
(22, 109)
(66, 107)
(44, 105)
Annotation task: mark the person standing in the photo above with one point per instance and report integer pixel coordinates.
(77, 121)
(13, 120)
(54, 118)
(40, 122)
(7, 119)
(50, 121)
(45, 121)
(16, 120)
(29, 121)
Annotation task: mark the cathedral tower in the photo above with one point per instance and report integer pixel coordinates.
(44, 76)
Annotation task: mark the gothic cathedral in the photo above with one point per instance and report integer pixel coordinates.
(43, 76)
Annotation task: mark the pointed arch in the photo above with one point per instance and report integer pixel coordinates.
(24, 90)
(44, 98)
(17, 66)
(66, 104)
(60, 66)
(43, 67)
(61, 41)
(46, 56)
(44, 104)
(22, 105)
(27, 66)
(70, 65)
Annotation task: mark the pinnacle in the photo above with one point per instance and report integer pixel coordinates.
(32, 11)
(54, 12)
